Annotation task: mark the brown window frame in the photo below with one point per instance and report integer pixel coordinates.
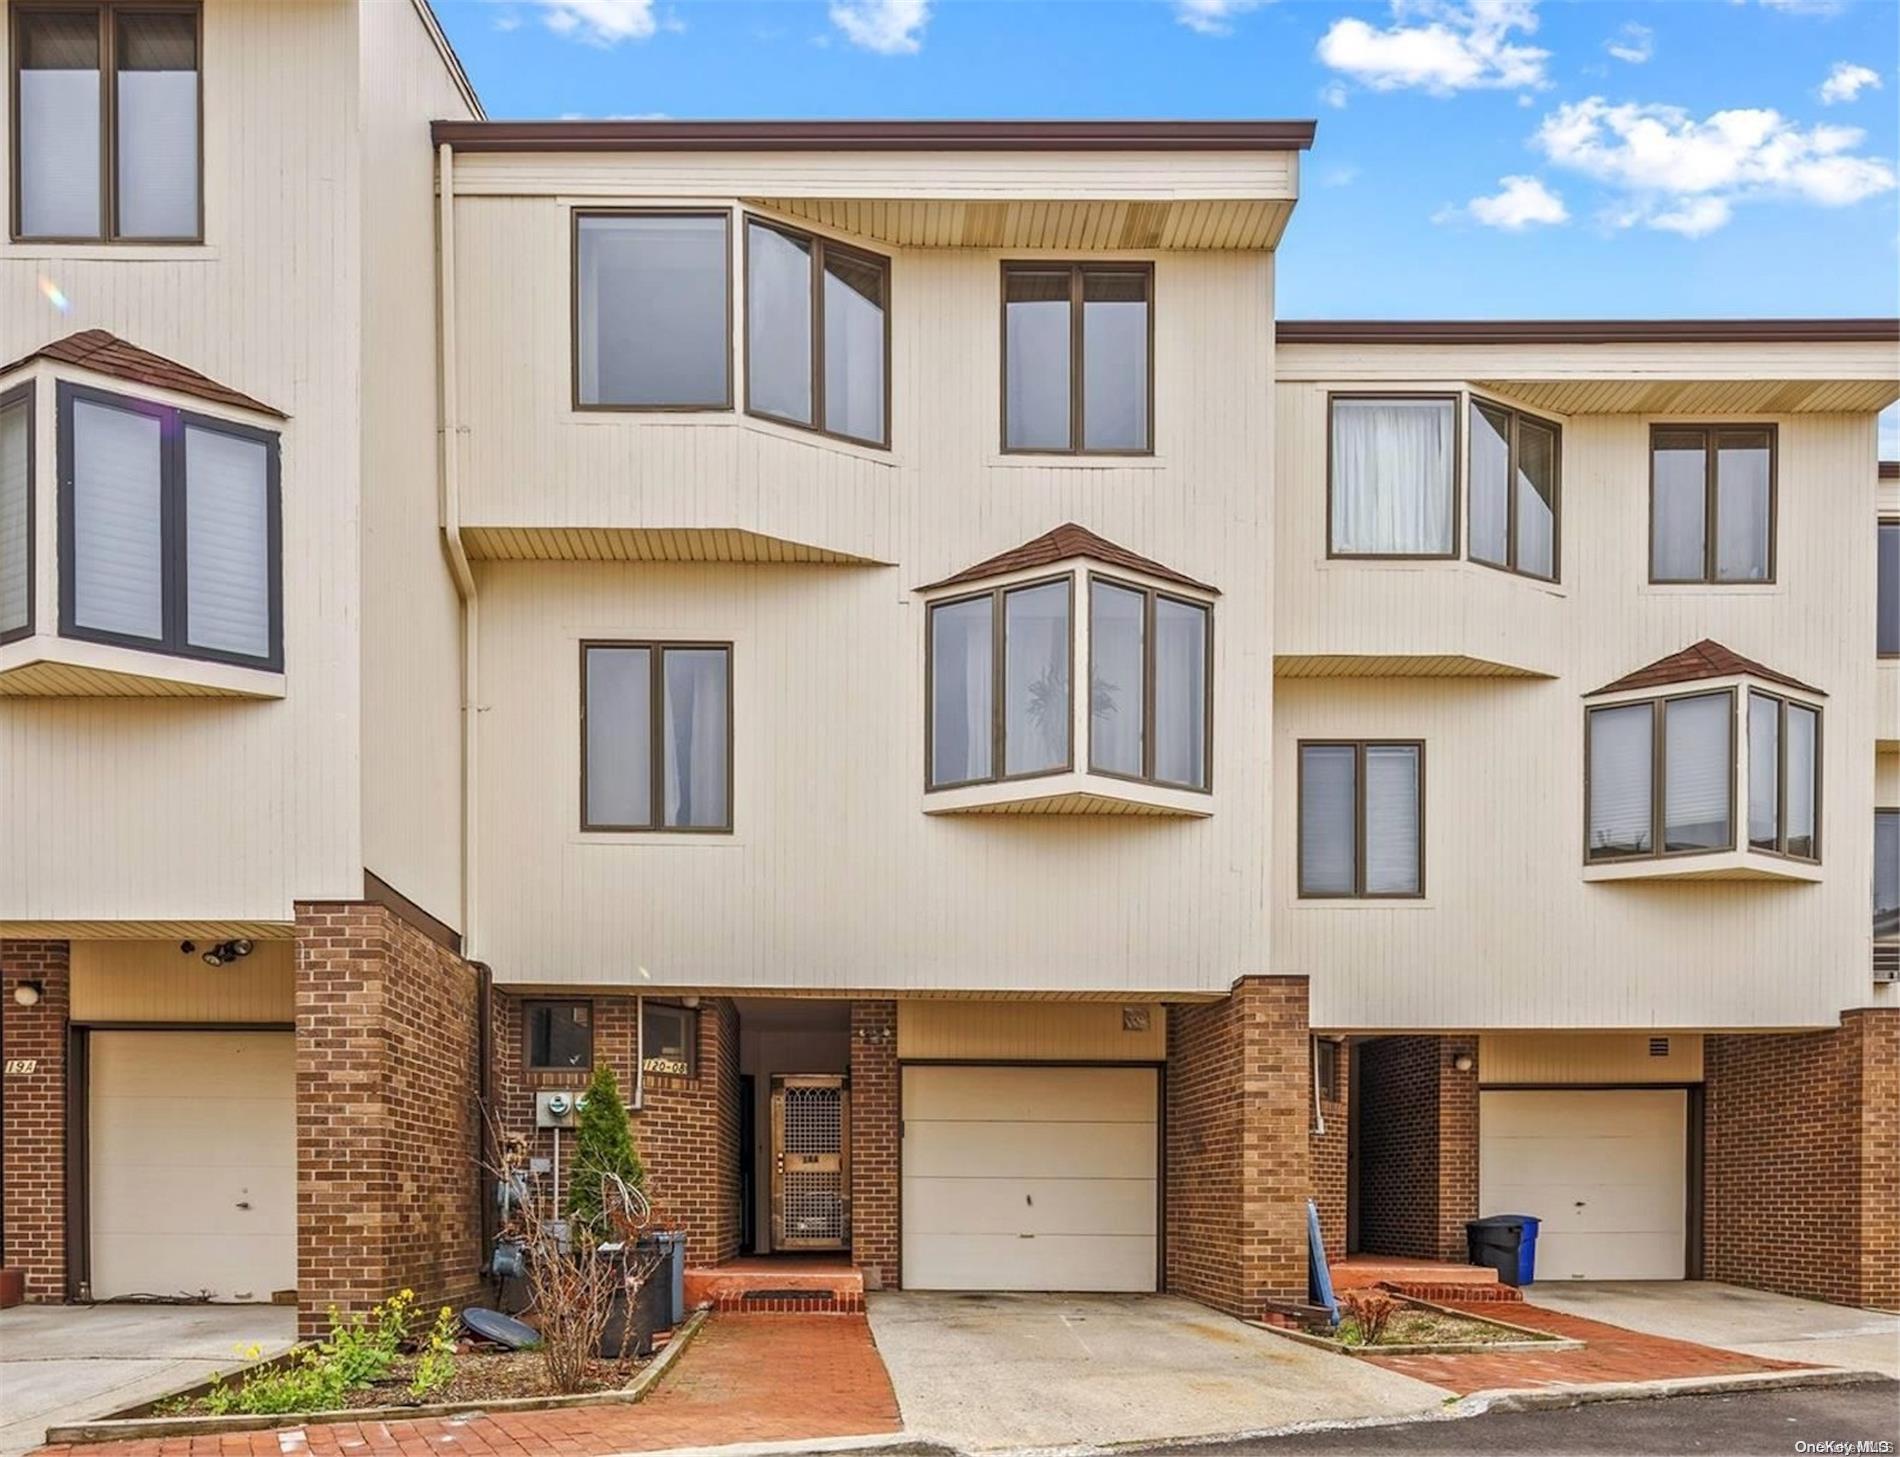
(1883, 524)
(1780, 848)
(23, 394)
(108, 12)
(1658, 779)
(529, 1008)
(1359, 891)
(820, 246)
(1516, 417)
(1892, 938)
(1711, 469)
(1456, 485)
(1326, 1068)
(691, 1017)
(1077, 272)
(999, 708)
(1150, 596)
(576, 217)
(656, 649)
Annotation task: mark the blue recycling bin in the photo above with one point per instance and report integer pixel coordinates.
(1506, 1243)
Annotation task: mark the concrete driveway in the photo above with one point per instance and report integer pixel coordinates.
(1739, 1320)
(67, 1363)
(990, 1371)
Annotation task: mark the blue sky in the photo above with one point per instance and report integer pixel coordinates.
(1475, 158)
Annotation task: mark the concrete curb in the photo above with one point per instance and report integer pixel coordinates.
(125, 1428)
(877, 1444)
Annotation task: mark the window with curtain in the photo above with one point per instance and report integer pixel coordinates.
(170, 530)
(76, 180)
(1712, 504)
(652, 301)
(1077, 376)
(16, 513)
(656, 736)
(1784, 776)
(999, 684)
(1150, 654)
(1887, 601)
(1660, 776)
(557, 1036)
(1513, 492)
(1393, 475)
(816, 332)
(1362, 820)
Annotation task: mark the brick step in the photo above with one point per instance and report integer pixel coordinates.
(1468, 1293)
(789, 1302)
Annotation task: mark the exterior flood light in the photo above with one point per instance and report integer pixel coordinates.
(226, 952)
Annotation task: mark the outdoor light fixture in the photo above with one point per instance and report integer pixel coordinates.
(185, 948)
(227, 951)
(28, 993)
(1462, 1062)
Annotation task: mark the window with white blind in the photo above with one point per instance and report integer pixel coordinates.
(77, 179)
(1392, 476)
(1362, 819)
(1784, 776)
(1659, 777)
(170, 530)
(16, 513)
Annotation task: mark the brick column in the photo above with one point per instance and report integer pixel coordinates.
(875, 1144)
(1457, 1146)
(1238, 1170)
(34, 1108)
(388, 1131)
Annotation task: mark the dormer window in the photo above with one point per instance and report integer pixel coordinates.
(1002, 656)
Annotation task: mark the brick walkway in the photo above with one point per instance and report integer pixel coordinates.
(758, 1378)
(1610, 1353)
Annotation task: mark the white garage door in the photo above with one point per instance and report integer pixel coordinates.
(1605, 1170)
(193, 1163)
(1030, 1178)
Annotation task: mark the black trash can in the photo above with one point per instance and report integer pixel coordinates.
(1506, 1243)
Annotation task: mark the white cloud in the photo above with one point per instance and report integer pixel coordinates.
(600, 22)
(1804, 7)
(1213, 17)
(1633, 43)
(1341, 175)
(889, 27)
(1845, 83)
(1519, 203)
(1440, 46)
(1684, 175)
(1333, 93)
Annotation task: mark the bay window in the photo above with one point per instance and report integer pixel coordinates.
(999, 684)
(1784, 776)
(170, 530)
(1392, 475)
(1361, 819)
(1712, 504)
(1657, 775)
(652, 311)
(656, 736)
(817, 333)
(1149, 674)
(16, 513)
(1513, 494)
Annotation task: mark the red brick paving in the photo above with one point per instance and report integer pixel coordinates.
(760, 1378)
(1610, 1353)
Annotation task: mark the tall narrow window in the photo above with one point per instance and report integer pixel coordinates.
(1620, 775)
(1887, 875)
(1036, 715)
(652, 311)
(1077, 372)
(170, 533)
(1784, 776)
(656, 736)
(1514, 509)
(1887, 602)
(1697, 759)
(1392, 475)
(962, 691)
(1712, 504)
(16, 513)
(1362, 820)
(817, 330)
(76, 178)
(1150, 666)
(1000, 705)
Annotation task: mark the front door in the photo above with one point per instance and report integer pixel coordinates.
(811, 1162)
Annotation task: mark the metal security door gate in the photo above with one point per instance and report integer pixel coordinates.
(811, 1162)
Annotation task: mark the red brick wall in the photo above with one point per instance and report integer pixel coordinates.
(1237, 1158)
(388, 1127)
(688, 1131)
(1329, 1155)
(34, 1111)
(875, 1144)
(1801, 1164)
(1418, 1146)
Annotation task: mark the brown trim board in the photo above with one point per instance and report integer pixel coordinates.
(1587, 331)
(874, 136)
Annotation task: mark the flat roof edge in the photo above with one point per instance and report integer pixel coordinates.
(874, 136)
(1588, 331)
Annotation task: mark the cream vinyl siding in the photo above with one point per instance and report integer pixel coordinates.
(1029, 1178)
(1509, 935)
(1589, 1057)
(191, 1138)
(146, 981)
(1605, 1170)
(833, 878)
(1037, 1032)
(221, 809)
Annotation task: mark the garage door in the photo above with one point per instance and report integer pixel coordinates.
(193, 1163)
(1029, 1178)
(1605, 1170)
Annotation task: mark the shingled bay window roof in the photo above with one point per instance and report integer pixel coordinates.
(108, 354)
(1067, 542)
(1699, 661)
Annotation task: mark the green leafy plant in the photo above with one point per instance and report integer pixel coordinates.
(603, 1147)
(357, 1351)
(435, 1363)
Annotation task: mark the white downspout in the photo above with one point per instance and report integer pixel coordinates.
(449, 506)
